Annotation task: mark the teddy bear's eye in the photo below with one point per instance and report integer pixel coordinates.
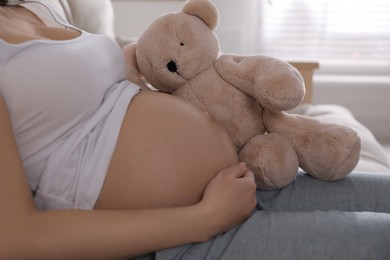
(172, 66)
(181, 44)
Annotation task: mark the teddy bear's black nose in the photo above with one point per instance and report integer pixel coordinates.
(172, 66)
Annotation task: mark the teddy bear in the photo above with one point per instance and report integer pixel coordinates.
(249, 95)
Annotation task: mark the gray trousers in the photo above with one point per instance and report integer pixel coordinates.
(308, 219)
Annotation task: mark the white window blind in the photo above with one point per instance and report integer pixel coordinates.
(337, 31)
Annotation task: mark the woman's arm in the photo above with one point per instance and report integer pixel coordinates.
(28, 233)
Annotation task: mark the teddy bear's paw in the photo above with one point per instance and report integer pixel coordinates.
(336, 164)
(326, 151)
(272, 159)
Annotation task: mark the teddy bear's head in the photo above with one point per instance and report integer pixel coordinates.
(177, 46)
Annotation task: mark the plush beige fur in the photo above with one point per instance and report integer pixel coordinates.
(179, 54)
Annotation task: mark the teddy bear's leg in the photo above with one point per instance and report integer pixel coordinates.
(325, 151)
(272, 159)
(274, 83)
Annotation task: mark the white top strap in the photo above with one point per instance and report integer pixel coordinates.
(49, 14)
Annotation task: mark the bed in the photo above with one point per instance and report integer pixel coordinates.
(308, 219)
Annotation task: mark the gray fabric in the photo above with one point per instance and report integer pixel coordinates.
(308, 219)
(357, 192)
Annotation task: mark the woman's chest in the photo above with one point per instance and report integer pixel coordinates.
(18, 25)
(57, 83)
(44, 33)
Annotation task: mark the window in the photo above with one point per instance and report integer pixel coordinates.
(351, 41)
(329, 31)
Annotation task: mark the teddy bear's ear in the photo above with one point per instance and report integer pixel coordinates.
(133, 72)
(204, 9)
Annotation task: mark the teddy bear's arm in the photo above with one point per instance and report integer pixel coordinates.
(274, 83)
(133, 73)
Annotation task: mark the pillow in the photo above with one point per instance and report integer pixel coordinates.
(95, 16)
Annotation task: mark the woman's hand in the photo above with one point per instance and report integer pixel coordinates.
(229, 198)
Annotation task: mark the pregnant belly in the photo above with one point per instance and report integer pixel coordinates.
(167, 152)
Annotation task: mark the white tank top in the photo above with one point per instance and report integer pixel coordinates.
(66, 100)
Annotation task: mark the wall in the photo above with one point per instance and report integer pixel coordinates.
(367, 96)
(133, 17)
(235, 28)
